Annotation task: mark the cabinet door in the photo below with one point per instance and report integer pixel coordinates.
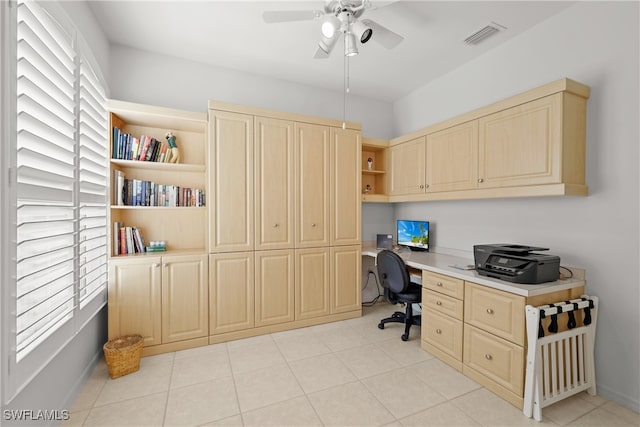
(312, 185)
(273, 183)
(274, 287)
(522, 145)
(346, 175)
(134, 298)
(407, 167)
(185, 302)
(312, 283)
(452, 158)
(346, 283)
(231, 292)
(231, 181)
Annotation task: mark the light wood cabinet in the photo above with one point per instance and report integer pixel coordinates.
(497, 312)
(231, 170)
(185, 302)
(312, 283)
(452, 158)
(164, 299)
(346, 271)
(531, 144)
(345, 187)
(135, 298)
(274, 288)
(312, 207)
(498, 360)
(522, 145)
(442, 316)
(374, 170)
(274, 182)
(480, 331)
(231, 292)
(408, 167)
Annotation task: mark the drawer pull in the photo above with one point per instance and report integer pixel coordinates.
(438, 283)
(489, 311)
(438, 302)
(488, 356)
(438, 331)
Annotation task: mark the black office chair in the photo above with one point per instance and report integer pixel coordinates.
(394, 276)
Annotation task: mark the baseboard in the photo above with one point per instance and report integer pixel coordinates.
(621, 399)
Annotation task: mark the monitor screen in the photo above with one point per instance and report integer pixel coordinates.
(414, 234)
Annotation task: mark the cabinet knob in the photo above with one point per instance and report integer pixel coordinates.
(489, 311)
(438, 302)
(156, 265)
(313, 225)
(488, 356)
(438, 331)
(480, 180)
(421, 186)
(275, 225)
(439, 284)
(426, 186)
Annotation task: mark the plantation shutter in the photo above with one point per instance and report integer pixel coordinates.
(92, 188)
(45, 177)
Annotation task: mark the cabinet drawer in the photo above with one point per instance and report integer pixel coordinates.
(443, 284)
(495, 358)
(443, 332)
(441, 303)
(497, 312)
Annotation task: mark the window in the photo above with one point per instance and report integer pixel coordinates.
(58, 191)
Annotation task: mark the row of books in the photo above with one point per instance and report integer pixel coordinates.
(144, 149)
(137, 192)
(127, 240)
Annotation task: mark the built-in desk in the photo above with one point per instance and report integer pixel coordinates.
(476, 324)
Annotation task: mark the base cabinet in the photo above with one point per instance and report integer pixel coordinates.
(164, 299)
(274, 287)
(346, 294)
(312, 288)
(480, 331)
(185, 305)
(231, 292)
(135, 298)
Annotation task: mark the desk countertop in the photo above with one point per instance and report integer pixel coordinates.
(442, 263)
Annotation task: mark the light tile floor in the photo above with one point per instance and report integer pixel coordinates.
(345, 373)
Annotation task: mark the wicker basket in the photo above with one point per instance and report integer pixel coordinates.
(123, 354)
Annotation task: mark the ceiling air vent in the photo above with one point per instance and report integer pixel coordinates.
(482, 34)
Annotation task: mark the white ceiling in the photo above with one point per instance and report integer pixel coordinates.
(232, 34)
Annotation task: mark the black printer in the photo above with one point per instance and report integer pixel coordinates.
(516, 263)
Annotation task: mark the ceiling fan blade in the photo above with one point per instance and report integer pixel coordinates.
(321, 54)
(274, 16)
(383, 35)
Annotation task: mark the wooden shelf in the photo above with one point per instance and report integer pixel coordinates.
(374, 181)
(373, 172)
(162, 208)
(174, 167)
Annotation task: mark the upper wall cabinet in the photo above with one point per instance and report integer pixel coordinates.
(532, 144)
(407, 167)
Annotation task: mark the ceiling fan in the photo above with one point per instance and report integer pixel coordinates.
(340, 17)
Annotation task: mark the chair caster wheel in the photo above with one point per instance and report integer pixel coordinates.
(404, 337)
(380, 325)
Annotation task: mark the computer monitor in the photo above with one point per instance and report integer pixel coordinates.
(413, 234)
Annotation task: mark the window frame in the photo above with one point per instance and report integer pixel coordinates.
(14, 375)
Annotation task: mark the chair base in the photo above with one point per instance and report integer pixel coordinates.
(407, 318)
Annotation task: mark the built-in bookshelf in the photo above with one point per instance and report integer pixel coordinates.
(154, 198)
(374, 170)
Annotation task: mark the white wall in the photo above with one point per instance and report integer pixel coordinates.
(596, 43)
(149, 78)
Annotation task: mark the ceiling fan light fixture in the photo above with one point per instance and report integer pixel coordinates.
(350, 47)
(361, 31)
(327, 43)
(329, 26)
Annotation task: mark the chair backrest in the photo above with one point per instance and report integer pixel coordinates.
(392, 272)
